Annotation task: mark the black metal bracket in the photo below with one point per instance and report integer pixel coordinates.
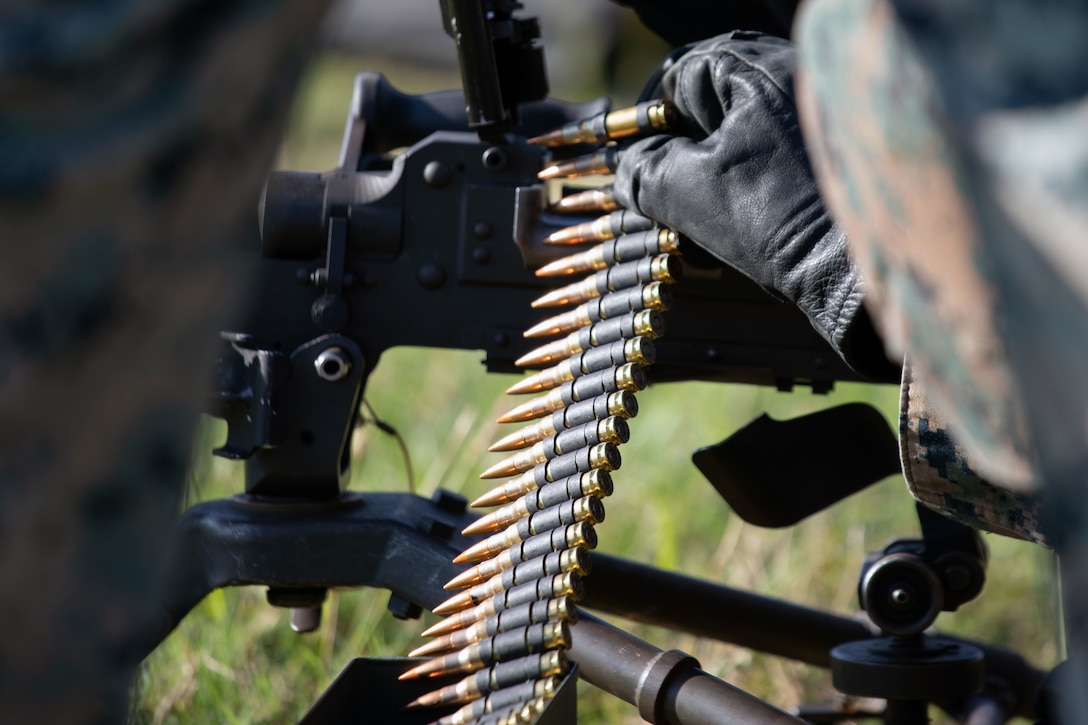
(400, 542)
(766, 488)
(249, 385)
(946, 568)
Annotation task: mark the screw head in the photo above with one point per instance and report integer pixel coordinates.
(329, 312)
(437, 174)
(431, 276)
(481, 255)
(305, 619)
(900, 596)
(495, 158)
(332, 364)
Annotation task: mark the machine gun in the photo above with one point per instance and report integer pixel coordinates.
(426, 234)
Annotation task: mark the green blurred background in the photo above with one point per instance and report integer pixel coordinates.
(235, 660)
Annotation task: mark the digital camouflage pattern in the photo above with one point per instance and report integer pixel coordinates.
(134, 140)
(896, 184)
(952, 142)
(939, 473)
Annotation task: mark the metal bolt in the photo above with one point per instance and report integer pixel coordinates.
(329, 312)
(482, 230)
(332, 364)
(495, 158)
(481, 255)
(437, 174)
(957, 577)
(900, 596)
(305, 619)
(431, 276)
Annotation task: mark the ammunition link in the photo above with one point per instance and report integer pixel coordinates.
(509, 622)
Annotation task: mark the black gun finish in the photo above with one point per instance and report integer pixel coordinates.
(435, 246)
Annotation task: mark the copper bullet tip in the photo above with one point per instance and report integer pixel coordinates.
(558, 268)
(438, 629)
(429, 700)
(526, 385)
(462, 580)
(511, 442)
(555, 298)
(558, 324)
(431, 668)
(547, 139)
(483, 525)
(411, 674)
(550, 352)
(567, 235)
(587, 201)
(529, 410)
(507, 491)
(430, 649)
(601, 162)
(459, 601)
(552, 172)
(506, 467)
(491, 498)
(477, 552)
(522, 438)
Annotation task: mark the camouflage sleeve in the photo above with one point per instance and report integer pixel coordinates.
(950, 141)
(134, 139)
(901, 188)
(940, 472)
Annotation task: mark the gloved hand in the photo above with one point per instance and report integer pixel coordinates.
(736, 180)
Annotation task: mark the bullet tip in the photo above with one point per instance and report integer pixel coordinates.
(499, 470)
(444, 608)
(544, 329)
(521, 413)
(420, 651)
(437, 629)
(417, 704)
(471, 555)
(482, 502)
(491, 498)
(480, 526)
(558, 268)
(459, 601)
(522, 387)
(534, 359)
(549, 173)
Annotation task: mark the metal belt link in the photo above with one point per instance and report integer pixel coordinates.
(507, 628)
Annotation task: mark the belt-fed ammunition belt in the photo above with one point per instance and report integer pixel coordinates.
(508, 626)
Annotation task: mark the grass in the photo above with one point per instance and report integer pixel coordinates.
(235, 660)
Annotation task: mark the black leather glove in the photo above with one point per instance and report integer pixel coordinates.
(736, 181)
